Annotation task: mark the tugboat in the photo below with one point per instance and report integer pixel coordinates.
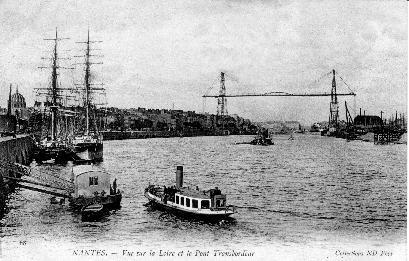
(209, 205)
(263, 138)
(93, 193)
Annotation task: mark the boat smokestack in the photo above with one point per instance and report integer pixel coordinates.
(179, 177)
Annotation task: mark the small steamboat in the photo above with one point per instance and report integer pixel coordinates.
(206, 204)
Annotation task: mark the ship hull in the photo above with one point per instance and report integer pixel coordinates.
(109, 202)
(59, 155)
(93, 212)
(89, 152)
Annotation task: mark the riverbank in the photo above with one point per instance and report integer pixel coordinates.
(123, 135)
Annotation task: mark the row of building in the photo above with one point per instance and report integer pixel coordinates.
(142, 119)
(173, 120)
(134, 119)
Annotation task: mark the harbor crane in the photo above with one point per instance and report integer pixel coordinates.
(334, 108)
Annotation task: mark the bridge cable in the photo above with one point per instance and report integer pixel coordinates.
(349, 87)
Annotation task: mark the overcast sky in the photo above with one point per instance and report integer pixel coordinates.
(159, 54)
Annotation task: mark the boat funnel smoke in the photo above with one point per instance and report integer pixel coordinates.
(179, 177)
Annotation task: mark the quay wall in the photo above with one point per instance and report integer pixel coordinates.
(123, 135)
(17, 149)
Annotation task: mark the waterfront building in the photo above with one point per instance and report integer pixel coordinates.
(368, 122)
(188, 122)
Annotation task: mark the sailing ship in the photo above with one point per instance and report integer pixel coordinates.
(88, 145)
(208, 205)
(52, 145)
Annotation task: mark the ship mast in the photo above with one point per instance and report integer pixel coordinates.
(54, 91)
(54, 87)
(87, 83)
(87, 89)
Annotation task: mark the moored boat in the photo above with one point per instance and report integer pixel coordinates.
(55, 151)
(92, 185)
(88, 148)
(202, 204)
(88, 145)
(55, 200)
(92, 212)
(53, 146)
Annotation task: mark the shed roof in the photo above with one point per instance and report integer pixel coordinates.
(81, 169)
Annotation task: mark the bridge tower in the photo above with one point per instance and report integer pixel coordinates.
(221, 101)
(333, 107)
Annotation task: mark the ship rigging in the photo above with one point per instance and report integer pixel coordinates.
(88, 145)
(54, 145)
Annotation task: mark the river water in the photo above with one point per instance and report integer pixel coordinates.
(310, 195)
